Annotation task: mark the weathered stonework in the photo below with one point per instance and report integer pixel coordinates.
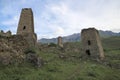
(60, 44)
(7, 34)
(26, 26)
(26, 23)
(91, 44)
(12, 49)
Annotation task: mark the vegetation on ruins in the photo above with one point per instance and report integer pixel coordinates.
(22, 58)
(67, 64)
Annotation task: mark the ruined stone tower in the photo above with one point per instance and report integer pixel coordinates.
(60, 44)
(26, 26)
(91, 44)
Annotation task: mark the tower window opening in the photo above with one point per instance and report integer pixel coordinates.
(89, 42)
(88, 52)
(24, 27)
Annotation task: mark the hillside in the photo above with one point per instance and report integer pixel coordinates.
(111, 42)
(65, 64)
(76, 37)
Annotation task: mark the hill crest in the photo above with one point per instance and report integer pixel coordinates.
(76, 37)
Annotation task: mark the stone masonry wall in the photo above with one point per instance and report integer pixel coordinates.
(91, 44)
(12, 49)
(26, 22)
(26, 26)
(7, 34)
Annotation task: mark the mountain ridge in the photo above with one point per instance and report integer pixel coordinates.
(77, 36)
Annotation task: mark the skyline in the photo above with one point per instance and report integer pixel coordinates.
(53, 18)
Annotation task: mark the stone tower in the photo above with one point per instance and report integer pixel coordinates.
(26, 26)
(60, 44)
(91, 44)
(26, 22)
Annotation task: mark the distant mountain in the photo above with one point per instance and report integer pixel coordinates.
(44, 40)
(76, 37)
(70, 38)
(108, 33)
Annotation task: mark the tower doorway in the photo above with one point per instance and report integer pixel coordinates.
(88, 52)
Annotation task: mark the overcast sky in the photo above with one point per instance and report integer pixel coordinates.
(53, 18)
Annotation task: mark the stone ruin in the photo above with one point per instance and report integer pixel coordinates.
(60, 44)
(26, 26)
(7, 34)
(91, 44)
(13, 47)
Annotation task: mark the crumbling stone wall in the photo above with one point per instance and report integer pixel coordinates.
(12, 49)
(7, 34)
(91, 44)
(31, 39)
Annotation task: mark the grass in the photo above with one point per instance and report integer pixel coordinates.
(111, 43)
(68, 68)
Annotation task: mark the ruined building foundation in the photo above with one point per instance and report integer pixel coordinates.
(91, 44)
(26, 26)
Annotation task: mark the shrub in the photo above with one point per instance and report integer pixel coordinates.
(30, 50)
(52, 45)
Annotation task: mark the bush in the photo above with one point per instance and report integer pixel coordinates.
(52, 45)
(30, 50)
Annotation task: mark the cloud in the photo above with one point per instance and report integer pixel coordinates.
(10, 24)
(64, 17)
(99, 14)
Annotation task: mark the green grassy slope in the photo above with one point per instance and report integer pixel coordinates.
(66, 65)
(111, 43)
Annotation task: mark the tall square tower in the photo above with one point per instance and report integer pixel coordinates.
(91, 44)
(26, 26)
